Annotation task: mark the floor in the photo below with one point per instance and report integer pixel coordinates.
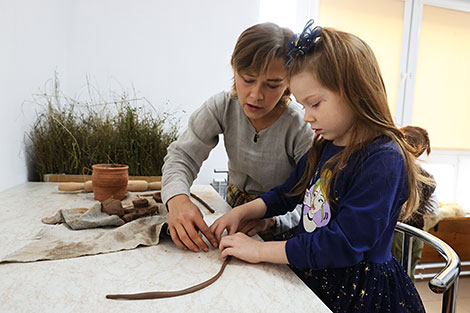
(433, 301)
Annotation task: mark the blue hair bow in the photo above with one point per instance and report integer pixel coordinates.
(303, 42)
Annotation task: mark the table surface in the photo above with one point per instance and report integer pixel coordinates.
(80, 284)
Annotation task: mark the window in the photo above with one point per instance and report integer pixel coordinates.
(438, 98)
(442, 91)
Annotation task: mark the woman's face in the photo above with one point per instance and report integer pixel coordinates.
(258, 93)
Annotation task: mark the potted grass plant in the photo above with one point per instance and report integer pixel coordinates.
(70, 135)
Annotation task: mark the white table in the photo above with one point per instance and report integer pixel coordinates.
(80, 284)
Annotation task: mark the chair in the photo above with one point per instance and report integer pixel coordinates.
(446, 281)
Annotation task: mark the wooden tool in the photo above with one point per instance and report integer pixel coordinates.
(132, 185)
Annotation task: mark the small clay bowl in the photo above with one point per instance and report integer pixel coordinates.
(109, 180)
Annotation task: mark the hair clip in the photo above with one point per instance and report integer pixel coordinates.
(303, 42)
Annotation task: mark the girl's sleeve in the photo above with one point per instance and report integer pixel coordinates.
(278, 200)
(185, 156)
(375, 194)
(432, 205)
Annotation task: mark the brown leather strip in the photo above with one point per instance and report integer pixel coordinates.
(192, 195)
(168, 294)
(203, 202)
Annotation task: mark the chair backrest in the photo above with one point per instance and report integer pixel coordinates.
(446, 281)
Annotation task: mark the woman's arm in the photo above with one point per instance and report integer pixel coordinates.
(182, 164)
(186, 155)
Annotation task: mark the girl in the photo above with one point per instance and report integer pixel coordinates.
(418, 138)
(264, 137)
(368, 178)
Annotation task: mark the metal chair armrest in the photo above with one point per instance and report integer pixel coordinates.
(446, 281)
(441, 282)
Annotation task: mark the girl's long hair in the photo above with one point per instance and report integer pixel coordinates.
(345, 64)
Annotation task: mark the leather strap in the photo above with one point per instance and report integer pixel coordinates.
(168, 294)
(176, 293)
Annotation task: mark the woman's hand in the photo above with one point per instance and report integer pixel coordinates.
(184, 221)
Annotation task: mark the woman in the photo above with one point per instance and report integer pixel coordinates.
(264, 137)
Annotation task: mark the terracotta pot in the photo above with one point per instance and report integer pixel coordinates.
(109, 180)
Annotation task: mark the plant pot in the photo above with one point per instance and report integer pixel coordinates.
(109, 180)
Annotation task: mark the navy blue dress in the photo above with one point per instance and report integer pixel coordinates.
(341, 247)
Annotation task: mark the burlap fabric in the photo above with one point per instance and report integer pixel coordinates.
(89, 231)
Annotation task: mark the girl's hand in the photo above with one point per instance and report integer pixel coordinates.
(242, 247)
(229, 221)
(252, 227)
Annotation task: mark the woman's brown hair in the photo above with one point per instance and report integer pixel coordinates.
(256, 47)
(345, 64)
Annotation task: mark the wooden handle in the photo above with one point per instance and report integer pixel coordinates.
(142, 185)
(132, 185)
(88, 186)
(137, 185)
(156, 185)
(71, 186)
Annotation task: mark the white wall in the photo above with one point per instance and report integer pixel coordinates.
(174, 53)
(32, 40)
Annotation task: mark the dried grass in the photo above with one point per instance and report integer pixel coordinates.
(70, 136)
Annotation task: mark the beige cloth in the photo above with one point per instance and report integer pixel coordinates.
(60, 242)
(83, 218)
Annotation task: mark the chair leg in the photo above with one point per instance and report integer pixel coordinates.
(407, 246)
(449, 299)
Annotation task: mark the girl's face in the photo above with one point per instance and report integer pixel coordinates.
(326, 112)
(258, 94)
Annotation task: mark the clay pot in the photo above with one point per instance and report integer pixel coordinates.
(109, 180)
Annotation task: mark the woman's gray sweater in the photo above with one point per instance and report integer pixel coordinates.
(255, 166)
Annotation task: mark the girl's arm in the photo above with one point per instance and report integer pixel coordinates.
(240, 245)
(278, 199)
(250, 250)
(279, 202)
(230, 221)
(370, 197)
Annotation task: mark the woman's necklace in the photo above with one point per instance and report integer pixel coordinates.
(259, 126)
(255, 139)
